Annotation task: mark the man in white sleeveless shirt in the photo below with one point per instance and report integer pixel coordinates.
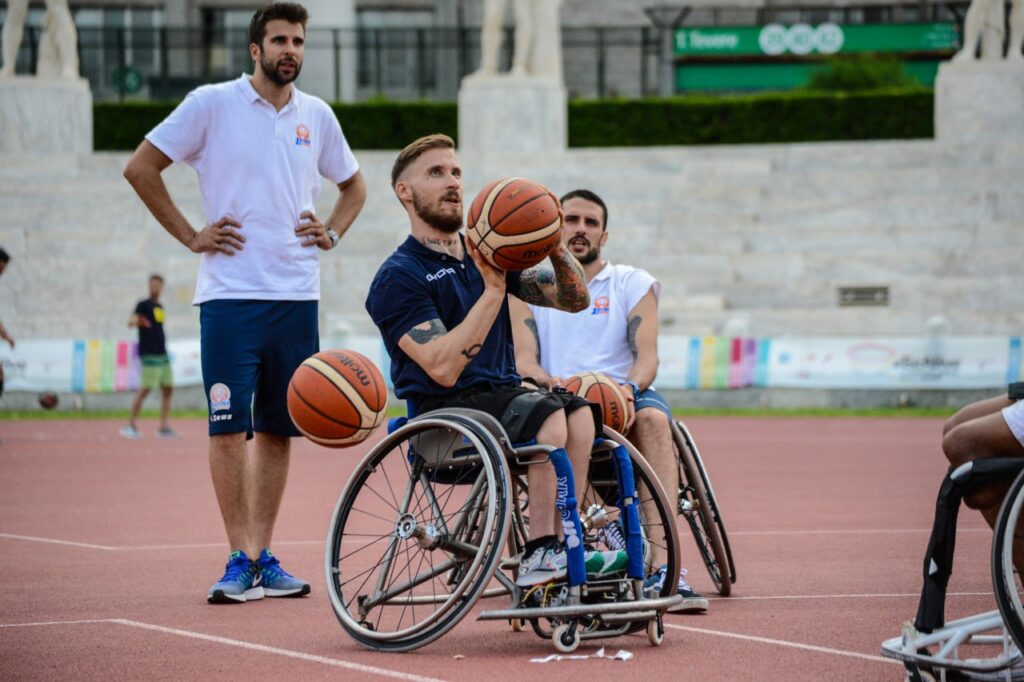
(618, 336)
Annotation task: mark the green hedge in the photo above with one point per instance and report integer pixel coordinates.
(789, 117)
(766, 118)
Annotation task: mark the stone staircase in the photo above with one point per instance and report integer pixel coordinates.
(746, 239)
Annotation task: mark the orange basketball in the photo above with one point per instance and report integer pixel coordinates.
(515, 223)
(337, 398)
(600, 389)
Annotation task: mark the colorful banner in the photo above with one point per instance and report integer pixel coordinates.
(687, 362)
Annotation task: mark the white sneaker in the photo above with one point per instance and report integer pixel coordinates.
(546, 563)
(130, 432)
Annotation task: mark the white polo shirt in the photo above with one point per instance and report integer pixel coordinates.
(263, 168)
(594, 340)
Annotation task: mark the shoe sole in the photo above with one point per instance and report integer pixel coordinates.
(691, 606)
(300, 592)
(221, 597)
(540, 578)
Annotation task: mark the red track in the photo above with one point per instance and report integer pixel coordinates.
(828, 520)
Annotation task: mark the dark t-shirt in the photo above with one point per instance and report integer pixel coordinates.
(151, 339)
(416, 285)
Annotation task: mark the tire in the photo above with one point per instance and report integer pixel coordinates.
(697, 505)
(1005, 580)
(430, 533)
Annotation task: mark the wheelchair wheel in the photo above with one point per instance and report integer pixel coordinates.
(698, 506)
(417, 532)
(1007, 537)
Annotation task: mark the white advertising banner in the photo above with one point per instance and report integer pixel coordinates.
(687, 362)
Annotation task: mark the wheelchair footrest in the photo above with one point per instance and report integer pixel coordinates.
(652, 605)
(915, 648)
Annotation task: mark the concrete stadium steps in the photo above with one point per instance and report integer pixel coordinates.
(753, 237)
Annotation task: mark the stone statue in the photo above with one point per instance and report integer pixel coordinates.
(538, 42)
(988, 14)
(58, 45)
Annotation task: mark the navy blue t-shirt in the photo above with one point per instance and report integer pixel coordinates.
(416, 285)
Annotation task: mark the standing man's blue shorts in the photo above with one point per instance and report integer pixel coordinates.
(250, 349)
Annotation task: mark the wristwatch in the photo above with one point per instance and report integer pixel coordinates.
(636, 389)
(335, 237)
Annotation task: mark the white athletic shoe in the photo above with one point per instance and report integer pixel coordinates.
(130, 432)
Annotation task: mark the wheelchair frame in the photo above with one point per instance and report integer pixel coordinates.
(936, 655)
(469, 452)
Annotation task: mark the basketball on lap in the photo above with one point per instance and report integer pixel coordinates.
(515, 223)
(601, 389)
(337, 398)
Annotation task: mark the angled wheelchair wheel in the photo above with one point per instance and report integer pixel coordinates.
(657, 514)
(697, 505)
(1007, 540)
(417, 532)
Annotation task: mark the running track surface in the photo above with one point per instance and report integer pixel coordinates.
(107, 548)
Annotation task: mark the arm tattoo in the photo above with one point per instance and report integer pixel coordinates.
(631, 330)
(472, 351)
(434, 330)
(532, 284)
(572, 283)
(531, 324)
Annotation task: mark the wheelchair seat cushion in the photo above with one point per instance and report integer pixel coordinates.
(521, 411)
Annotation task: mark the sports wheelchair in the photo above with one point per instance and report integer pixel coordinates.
(419, 533)
(984, 646)
(699, 508)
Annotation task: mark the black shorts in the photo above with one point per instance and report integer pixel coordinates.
(521, 411)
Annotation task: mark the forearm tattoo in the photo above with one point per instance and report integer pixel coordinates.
(632, 328)
(532, 283)
(435, 329)
(531, 324)
(472, 351)
(572, 283)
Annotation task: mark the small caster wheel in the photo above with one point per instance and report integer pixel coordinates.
(517, 624)
(565, 638)
(655, 631)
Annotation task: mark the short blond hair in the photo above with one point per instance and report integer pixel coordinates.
(415, 149)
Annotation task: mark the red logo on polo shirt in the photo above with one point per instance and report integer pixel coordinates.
(301, 136)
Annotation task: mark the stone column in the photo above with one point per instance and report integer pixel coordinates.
(320, 76)
(512, 114)
(980, 102)
(45, 116)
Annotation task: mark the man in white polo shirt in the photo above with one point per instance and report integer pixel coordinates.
(260, 148)
(618, 336)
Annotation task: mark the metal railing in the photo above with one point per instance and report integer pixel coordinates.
(391, 63)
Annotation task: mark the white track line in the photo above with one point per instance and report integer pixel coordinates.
(51, 541)
(897, 595)
(848, 531)
(277, 651)
(53, 622)
(785, 643)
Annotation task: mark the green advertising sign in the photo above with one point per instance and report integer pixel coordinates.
(803, 39)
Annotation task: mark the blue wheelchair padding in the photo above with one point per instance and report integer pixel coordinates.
(630, 514)
(565, 502)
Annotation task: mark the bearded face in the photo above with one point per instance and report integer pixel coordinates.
(281, 71)
(445, 214)
(580, 247)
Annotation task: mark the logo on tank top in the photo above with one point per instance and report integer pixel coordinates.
(220, 398)
(601, 306)
(301, 136)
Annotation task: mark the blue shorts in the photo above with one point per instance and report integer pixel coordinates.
(250, 349)
(649, 398)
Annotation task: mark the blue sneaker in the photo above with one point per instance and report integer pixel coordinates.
(692, 602)
(278, 582)
(241, 582)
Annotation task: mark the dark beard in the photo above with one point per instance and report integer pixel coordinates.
(589, 257)
(275, 76)
(448, 224)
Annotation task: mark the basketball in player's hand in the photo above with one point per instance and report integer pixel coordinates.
(515, 223)
(337, 398)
